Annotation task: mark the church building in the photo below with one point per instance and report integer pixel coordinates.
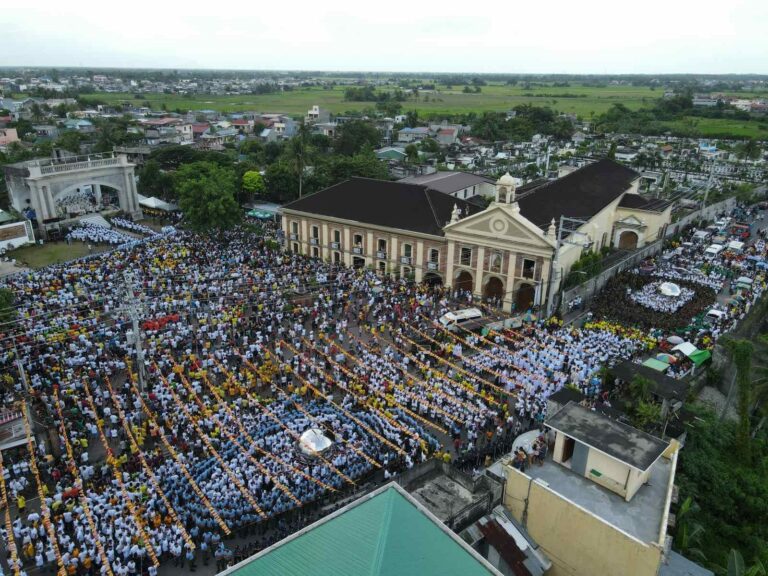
(518, 250)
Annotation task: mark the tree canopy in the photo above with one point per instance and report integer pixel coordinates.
(206, 193)
(356, 135)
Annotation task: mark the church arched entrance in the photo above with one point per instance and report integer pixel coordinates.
(628, 240)
(464, 281)
(524, 297)
(494, 288)
(432, 279)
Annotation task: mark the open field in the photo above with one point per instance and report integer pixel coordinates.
(496, 97)
(720, 127)
(584, 101)
(35, 256)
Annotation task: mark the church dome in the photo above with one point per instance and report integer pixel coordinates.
(506, 180)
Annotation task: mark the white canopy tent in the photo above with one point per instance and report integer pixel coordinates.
(156, 204)
(313, 441)
(686, 348)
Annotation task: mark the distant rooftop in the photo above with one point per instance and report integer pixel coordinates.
(641, 517)
(620, 441)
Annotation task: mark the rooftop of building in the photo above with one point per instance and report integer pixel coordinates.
(386, 532)
(611, 437)
(641, 517)
(446, 181)
(383, 203)
(581, 194)
(638, 202)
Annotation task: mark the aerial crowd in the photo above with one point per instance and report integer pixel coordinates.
(164, 455)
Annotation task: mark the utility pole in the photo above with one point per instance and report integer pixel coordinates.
(134, 308)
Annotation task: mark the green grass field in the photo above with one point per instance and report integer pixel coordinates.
(35, 256)
(496, 97)
(584, 101)
(721, 127)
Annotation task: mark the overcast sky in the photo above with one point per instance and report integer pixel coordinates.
(590, 36)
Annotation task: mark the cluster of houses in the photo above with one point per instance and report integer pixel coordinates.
(183, 83)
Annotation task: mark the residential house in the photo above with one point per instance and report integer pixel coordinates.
(46, 131)
(243, 126)
(447, 136)
(391, 153)
(79, 125)
(8, 136)
(408, 135)
(328, 129)
(317, 114)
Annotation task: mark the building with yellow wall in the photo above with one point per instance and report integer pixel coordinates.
(514, 251)
(601, 505)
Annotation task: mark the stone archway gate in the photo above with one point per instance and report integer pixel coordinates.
(37, 183)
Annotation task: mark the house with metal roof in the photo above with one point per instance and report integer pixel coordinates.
(455, 183)
(385, 533)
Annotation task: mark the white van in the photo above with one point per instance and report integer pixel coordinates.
(459, 317)
(713, 250)
(715, 315)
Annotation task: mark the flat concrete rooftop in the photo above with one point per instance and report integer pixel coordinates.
(640, 517)
(442, 495)
(616, 439)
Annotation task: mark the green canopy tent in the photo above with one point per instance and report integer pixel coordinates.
(657, 365)
(260, 214)
(700, 356)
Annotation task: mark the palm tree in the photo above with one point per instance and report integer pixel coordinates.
(689, 533)
(299, 150)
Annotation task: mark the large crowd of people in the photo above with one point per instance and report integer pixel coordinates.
(651, 296)
(161, 456)
(95, 234)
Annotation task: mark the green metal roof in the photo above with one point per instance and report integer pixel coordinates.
(383, 534)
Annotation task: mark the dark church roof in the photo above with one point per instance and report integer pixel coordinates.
(580, 194)
(383, 203)
(638, 202)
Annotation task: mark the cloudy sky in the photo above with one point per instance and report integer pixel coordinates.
(590, 36)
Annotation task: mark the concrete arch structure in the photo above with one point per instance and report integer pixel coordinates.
(36, 184)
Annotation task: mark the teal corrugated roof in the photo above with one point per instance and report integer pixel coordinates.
(385, 535)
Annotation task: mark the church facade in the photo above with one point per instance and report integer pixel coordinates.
(515, 252)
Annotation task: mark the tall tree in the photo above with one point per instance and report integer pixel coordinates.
(356, 135)
(253, 183)
(206, 193)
